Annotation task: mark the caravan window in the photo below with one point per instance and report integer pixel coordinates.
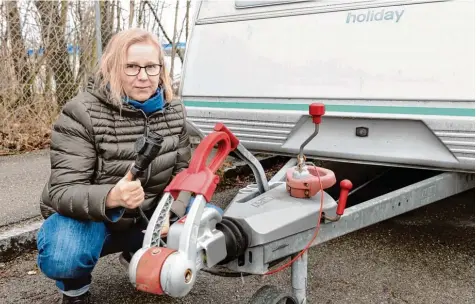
(239, 4)
(255, 3)
(240, 10)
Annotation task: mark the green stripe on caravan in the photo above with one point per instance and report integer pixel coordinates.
(333, 108)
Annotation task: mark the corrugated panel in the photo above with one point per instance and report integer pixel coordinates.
(461, 143)
(248, 130)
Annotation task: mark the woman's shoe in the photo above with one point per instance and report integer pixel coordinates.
(125, 258)
(85, 298)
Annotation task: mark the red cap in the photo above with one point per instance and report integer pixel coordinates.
(345, 187)
(316, 110)
(346, 184)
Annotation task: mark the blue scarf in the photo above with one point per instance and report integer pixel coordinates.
(151, 105)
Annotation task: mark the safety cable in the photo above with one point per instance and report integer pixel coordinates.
(281, 268)
(232, 274)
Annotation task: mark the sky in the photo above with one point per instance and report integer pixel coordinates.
(168, 14)
(32, 33)
(168, 18)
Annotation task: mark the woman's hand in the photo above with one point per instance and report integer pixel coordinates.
(126, 193)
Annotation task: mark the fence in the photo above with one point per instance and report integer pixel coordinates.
(49, 49)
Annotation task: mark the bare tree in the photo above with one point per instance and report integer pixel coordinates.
(187, 18)
(55, 46)
(118, 15)
(107, 21)
(154, 13)
(160, 16)
(140, 17)
(131, 12)
(174, 47)
(18, 54)
(85, 31)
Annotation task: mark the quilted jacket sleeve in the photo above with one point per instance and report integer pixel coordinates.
(184, 150)
(73, 160)
(184, 155)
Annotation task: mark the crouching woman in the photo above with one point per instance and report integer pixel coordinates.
(90, 201)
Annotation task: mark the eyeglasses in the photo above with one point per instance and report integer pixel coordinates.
(134, 70)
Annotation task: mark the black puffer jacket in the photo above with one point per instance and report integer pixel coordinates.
(92, 147)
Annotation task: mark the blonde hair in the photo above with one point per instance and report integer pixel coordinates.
(114, 59)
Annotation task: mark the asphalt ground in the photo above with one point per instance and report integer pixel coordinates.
(425, 256)
(22, 178)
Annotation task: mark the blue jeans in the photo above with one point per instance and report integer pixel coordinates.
(68, 249)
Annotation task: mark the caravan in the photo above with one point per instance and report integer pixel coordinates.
(396, 77)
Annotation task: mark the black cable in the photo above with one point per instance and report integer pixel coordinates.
(227, 274)
(142, 214)
(234, 274)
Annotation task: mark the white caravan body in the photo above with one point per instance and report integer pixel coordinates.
(397, 78)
